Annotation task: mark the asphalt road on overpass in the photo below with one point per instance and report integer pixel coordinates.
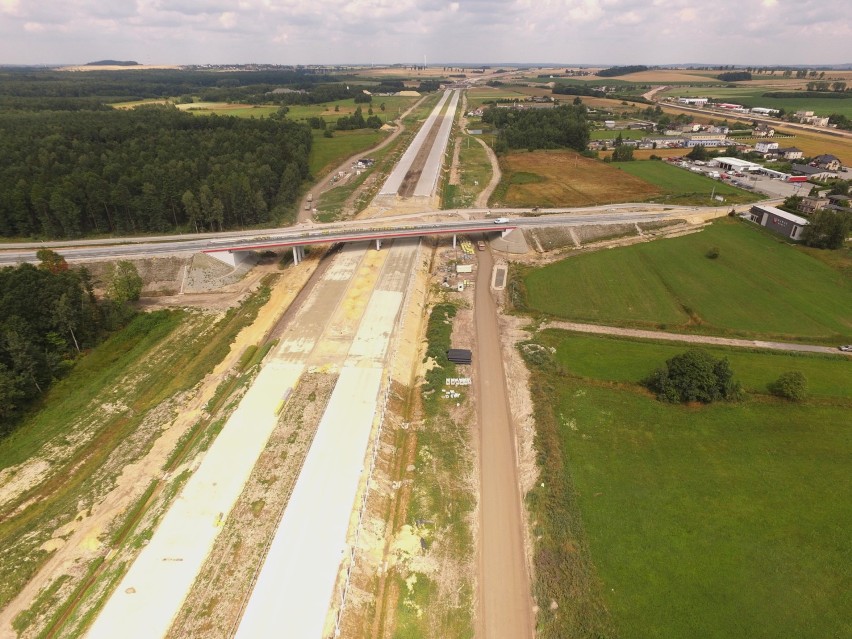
(360, 230)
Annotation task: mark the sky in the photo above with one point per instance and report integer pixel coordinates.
(746, 32)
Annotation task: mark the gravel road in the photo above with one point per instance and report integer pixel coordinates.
(695, 339)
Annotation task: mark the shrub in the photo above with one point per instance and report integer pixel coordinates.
(791, 385)
(712, 253)
(694, 376)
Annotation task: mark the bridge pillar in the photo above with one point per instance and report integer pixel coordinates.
(298, 254)
(378, 244)
(231, 258)
(454, 240)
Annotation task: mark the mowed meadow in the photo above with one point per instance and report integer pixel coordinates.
(757, 286)
(661, 520)
(682, 186)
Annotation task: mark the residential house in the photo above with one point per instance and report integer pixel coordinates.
(808, 117)
(813, 172)
(828, 162)
(765, 147)
(789, 153)
(811, 204)
(763, 131)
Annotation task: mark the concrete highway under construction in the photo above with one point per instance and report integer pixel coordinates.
(346, 323)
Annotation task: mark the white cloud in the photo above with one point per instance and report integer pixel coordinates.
(309, 31)
(11, 7)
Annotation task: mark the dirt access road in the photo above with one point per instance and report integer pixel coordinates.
(694, 339)
(505, 603)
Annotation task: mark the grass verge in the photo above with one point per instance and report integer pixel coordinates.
(436, 586)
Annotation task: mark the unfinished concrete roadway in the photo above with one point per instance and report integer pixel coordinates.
(428, 167)
(315, 521)
(152, 592)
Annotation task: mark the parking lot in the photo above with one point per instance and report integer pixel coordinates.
(772, 187)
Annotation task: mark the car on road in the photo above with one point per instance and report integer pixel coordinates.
(846, 348)
(501, 220)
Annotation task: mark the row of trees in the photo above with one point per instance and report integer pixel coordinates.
(562, 127)
(838, 86)
(48, 315)
(357, 121)
(68, 174)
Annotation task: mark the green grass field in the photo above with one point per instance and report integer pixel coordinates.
(624, 360)
(753, 97)
(758, 286)
(728, 520)
(627, 134)
(327, 153)
(101, 406)
(393, 107)
(677, 182)
(474, 175)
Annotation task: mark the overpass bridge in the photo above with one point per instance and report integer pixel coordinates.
(230, 251)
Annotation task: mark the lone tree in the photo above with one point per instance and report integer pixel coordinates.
(125, 285)
(622, 153)
(828, 229)
(694, 376)
(791, 385)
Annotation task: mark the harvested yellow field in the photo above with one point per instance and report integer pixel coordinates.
(565, 178)
(816, 144)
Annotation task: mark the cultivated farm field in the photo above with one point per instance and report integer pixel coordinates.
(714, 521)
(759, 286)
(565, 178)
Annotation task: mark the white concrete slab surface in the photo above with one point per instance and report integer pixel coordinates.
(429, 177)
(153, 590)
(376, 327)
(396, 177)
(293, 591)
(295, 588)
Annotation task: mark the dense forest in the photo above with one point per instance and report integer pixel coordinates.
(71, 165)
(561, 127)
(616, 71)
(734, 76)
(30, 88)
(48, 315)
(68, 174)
